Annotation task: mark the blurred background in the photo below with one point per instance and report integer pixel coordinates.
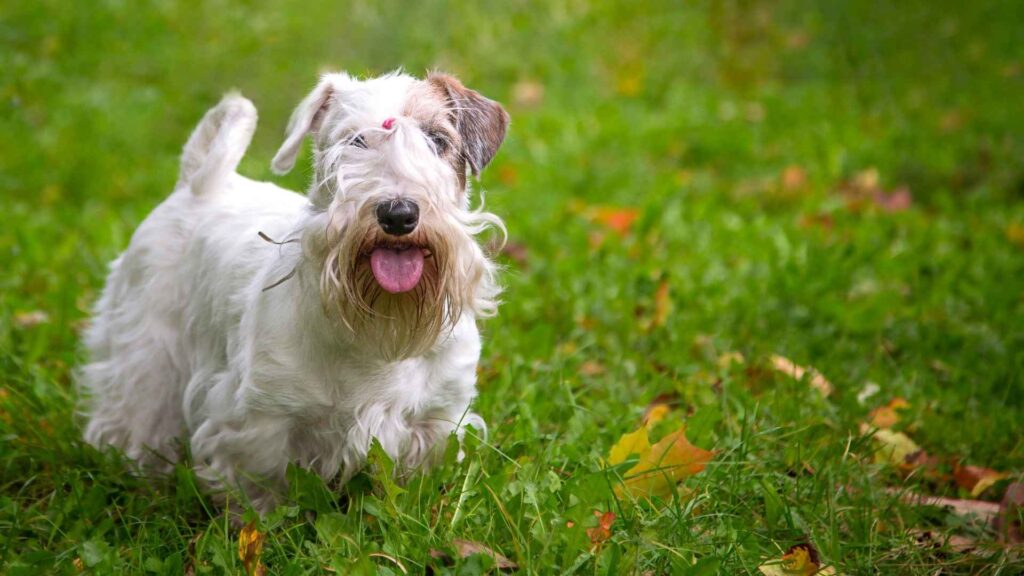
(839, 182)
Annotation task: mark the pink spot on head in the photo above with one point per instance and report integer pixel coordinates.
(388, 124)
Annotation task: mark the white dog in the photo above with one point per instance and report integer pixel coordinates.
(271, 328)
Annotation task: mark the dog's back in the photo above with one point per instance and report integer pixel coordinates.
(139, 362)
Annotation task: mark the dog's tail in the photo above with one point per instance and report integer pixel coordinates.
(217, 145)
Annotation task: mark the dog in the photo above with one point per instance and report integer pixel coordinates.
(269, 328)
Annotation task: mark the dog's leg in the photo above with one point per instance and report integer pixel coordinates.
(250, 453)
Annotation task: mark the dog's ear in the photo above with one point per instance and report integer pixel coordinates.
(481, 122)
(306, 119)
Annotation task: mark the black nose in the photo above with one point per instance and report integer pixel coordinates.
(398, 217)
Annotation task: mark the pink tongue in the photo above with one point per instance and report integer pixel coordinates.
(397, 270)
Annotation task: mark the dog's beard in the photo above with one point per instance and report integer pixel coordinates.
(395, 325)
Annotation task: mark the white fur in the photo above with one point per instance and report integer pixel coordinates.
(188, 342)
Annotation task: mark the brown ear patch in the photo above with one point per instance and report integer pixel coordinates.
(480, 121)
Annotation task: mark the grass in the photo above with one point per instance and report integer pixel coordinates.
(737, 132)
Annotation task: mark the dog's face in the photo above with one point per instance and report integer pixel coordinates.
(394, 232)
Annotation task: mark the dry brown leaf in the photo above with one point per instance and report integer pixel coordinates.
(527, 93)
(984, 511)
(667, 463)
(1011, 509)
(976, 479)
(603, 531)
(662, 305)
(797, 372)
(592, 368)
(899, 200)
(930, 539)
(467, 548)
(727, 359)
(793, 178)
(887, 416)
(30, 319)
(250, 548)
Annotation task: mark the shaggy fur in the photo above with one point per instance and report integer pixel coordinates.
(245, 318)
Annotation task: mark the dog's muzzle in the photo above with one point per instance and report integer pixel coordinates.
(397, 265)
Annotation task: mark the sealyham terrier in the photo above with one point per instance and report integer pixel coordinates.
(272, 328)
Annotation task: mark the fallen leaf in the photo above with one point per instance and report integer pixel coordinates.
(899, 200)
(190, 554)
(619, 220)
(893, 447)
(466, 548)
(670, 461)
(631, 443)
(662, 304)
(1011, 511)
(30, 319)
(976, 479)
(794, 179)
(797, 372)
(1015, 234)
(930, 539)
(659, 407)
(952, 121)
(516, 252)
(983, 511)
(869, 390)
(250, 548)
(603, 531)
(655, 414)
(528, 93)
(727, 359)
(887, 416)
(799, 560)
(754, 112)
(508, 174)
(591, 368)
(866, 180)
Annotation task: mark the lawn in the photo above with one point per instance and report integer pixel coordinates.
(694, 194)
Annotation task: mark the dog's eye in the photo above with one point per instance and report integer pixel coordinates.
(357, 141)
(440, 141)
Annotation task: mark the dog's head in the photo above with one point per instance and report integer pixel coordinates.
(394, 230)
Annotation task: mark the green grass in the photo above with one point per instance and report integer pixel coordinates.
(688, 115)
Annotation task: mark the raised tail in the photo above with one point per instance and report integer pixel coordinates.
(217, 145)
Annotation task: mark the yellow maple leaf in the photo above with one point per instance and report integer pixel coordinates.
(656, 413)
(663, 465)
(632, 443)
(893, 447)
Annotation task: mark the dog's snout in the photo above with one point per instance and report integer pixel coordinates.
(398, 217)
